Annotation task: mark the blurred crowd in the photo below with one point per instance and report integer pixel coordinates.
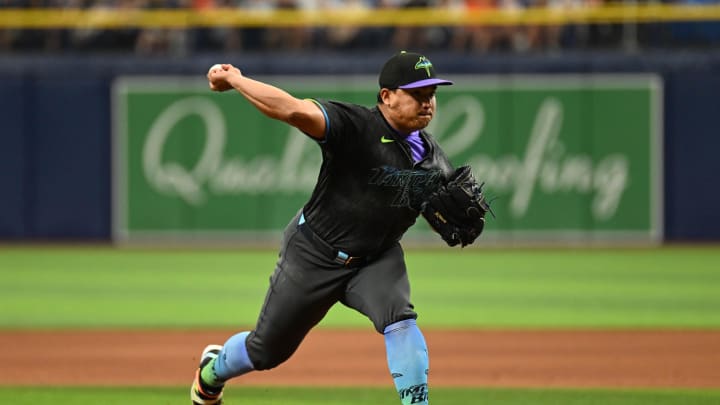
(545, 38)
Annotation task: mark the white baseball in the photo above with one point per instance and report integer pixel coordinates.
(215, 66)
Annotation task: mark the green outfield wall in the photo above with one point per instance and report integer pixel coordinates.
(569, 157)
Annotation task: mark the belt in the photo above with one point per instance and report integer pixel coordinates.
(340, 257)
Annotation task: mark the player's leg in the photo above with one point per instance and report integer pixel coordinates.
(305, 285)
(381, 291)
(408, 361)
(287, 315)
(301, 292)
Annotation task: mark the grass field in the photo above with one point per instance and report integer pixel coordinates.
(361, 396)
(669, 288)
(99, 287)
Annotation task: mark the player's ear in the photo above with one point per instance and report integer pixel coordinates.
(384, 96)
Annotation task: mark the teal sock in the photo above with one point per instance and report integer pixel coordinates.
(233, 360)
(407, 358)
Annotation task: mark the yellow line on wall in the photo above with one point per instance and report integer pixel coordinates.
(187, 18)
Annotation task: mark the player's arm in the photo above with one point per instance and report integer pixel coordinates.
(274, 102)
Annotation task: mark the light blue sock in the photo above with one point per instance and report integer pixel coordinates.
(408, 361)
(233, 360)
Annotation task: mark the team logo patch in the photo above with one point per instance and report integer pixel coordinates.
(423, 63)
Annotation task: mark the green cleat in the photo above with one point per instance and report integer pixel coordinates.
(201, 393)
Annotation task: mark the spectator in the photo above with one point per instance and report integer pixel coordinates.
(603, 35)
(346, 37)
(9, 37)
(97, 39)
(476, 37)
(163, 40)
(230, 39)
(29, 39)
(290, 38)
(405, 37)
(545, 36)
(485, 38)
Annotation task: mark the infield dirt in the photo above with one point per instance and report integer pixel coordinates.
(679, 359)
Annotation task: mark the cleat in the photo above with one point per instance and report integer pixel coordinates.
(200, 393)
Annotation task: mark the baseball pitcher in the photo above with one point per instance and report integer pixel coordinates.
(380, 170)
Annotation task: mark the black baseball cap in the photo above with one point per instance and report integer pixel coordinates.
(408, 70)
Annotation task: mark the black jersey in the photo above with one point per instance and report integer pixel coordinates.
(369, 188)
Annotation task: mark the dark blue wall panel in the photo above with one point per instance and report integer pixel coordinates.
(71, 158)
(12, 158)
(692, 156)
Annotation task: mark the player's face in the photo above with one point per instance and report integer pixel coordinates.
(412, 109)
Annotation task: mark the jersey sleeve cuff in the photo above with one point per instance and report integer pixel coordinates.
(327, 120)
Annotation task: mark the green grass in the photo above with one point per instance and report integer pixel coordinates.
(360, 396)
(477, 288)
(480, 288)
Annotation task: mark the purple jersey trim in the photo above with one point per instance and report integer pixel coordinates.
(417, 147)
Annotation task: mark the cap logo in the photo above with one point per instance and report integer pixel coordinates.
(423, 63)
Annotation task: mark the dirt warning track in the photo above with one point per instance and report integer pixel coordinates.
(678, 359)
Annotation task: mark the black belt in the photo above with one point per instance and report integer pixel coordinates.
(338, 256)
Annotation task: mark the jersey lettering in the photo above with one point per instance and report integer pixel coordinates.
(417, 393)
(413, 186)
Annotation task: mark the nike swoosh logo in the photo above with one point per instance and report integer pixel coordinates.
(385, 140)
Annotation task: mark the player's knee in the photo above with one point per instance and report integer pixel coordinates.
(267, 362)
(265, 357)
(382, 325)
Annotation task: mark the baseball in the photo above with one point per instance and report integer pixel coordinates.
(215, 66)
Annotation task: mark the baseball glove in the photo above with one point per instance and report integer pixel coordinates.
(457, 209)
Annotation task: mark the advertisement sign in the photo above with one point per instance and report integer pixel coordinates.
(566, 157)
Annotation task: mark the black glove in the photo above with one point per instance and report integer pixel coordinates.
(457, 209)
